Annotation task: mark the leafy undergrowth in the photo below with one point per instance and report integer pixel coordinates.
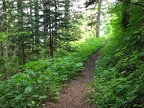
(119, 76)
(43, 79)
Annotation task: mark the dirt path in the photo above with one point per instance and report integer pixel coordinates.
(74, 95)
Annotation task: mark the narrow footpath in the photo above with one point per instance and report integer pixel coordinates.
(74, 95)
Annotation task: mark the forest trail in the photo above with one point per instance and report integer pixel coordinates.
(74, 95)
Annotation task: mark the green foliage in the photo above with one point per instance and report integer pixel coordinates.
(69, 34)
(28, 35)
(89, 47)
(119, 77)
(44, 79)
(2, 36)
(119, 81)
(107, 29)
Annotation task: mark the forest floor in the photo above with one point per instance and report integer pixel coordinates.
(74, 95)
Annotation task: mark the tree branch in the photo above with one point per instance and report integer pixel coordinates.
(90, 2)
(136, 3)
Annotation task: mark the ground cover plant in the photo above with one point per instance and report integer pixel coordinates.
(119, 76)
(43, 79)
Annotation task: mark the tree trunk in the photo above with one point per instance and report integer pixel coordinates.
(51, 35)
(36, 31)
(5, 44)
(5, 55)
(55, 26)
(98, 18)
(125, 14)
(23, 52)
(51, 40)
(21, 36)
(66, 12)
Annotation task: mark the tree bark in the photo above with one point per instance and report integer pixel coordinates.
(36, 31)
(21, 36)
(98, 18)
(5, 44)
(51, 35)
(66, 11)
(5, 55)
(125, 14)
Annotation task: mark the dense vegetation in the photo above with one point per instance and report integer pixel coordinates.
(44, 43)
(43, 79)
(41, 46)
(38, 28)
(119, 76)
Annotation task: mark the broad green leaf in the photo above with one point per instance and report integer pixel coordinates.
(28, 89)
(43, 97)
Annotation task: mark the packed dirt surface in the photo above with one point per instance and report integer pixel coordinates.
(74, 95)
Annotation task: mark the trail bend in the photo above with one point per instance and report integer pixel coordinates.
(74, 95)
